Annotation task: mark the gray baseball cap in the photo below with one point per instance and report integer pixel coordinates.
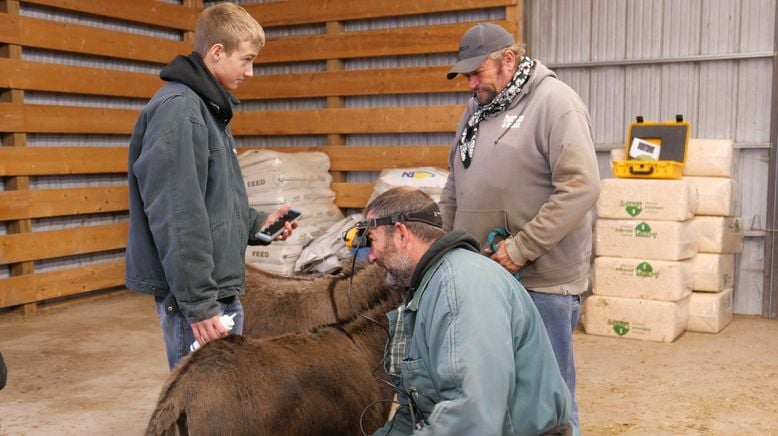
(476, 45)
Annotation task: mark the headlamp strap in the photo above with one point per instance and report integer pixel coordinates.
(429, 214)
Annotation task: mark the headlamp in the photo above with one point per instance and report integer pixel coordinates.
(356, 237)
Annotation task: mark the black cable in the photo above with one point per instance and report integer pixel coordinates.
(415, 411)
(362, 415)
(350, 301)
(385, 329)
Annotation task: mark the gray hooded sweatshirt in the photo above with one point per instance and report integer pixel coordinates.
(534, 173)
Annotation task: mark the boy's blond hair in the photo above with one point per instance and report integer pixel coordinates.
(227, 24)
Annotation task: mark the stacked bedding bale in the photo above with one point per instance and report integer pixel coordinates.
(431, 180)
(710, 166)
(643, 274)
(301, 180)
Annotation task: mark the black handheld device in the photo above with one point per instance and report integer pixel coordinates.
(276, 227)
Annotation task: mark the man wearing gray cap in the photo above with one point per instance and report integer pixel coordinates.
(524, 178)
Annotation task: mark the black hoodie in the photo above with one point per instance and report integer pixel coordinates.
(192, 72)
(438, 249)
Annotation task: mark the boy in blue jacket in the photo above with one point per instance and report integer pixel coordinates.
(190, 220)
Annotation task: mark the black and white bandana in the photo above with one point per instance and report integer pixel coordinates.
(498, 104)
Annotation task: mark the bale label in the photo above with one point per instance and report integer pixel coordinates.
(643, 230)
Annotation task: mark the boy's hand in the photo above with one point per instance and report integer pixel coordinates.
(288, 226)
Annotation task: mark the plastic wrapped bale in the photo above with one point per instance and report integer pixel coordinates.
(667, 200)
(276, 258)
(717, 196)
(431, 180)
(713, 272)
(643, 278)
(650, 320)
(711, 158)
(660, 240)
(710, 312)
(717, 234)
(299, 179)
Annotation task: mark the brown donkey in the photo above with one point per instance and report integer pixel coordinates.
(275, 304)
(323, 378)
(312, 383)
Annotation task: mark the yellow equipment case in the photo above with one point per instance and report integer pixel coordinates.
(654, 150)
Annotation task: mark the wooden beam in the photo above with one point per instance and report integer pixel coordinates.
(40, 161)
(36, 287)
(291, 12)
(151, 12)
(86, 40)
(371, 43)
(412, 80)
(69, 119)
(37, 76)
(59, 243)
(66, 119)
(348, 121)
(352, 195)
(39, 203)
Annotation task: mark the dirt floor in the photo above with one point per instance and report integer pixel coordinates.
(96, 367)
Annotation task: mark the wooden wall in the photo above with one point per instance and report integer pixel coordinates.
(20, 119)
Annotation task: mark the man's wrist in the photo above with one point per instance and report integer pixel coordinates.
(514, 251)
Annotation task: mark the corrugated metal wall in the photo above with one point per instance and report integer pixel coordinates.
(710, 60)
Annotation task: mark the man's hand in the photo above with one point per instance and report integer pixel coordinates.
(208, 330)
(502, 257)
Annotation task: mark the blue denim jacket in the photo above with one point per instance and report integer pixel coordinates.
(190, 220)
(476, 358)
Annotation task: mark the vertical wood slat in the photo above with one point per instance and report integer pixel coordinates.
(335, 27)
(513, 16)
(197, 4)
(18, 183)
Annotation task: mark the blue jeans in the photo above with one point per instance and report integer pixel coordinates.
(560, 315)
(178, 333)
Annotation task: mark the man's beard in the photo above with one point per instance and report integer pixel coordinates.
(490, 92)
(398, 266)
(484, 99)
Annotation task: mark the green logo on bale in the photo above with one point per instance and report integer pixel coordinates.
(644, 269)
(735, 226)
(620, 327)
(633, 208)
(643, 230)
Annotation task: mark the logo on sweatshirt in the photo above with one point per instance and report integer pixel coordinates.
(512, 121)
